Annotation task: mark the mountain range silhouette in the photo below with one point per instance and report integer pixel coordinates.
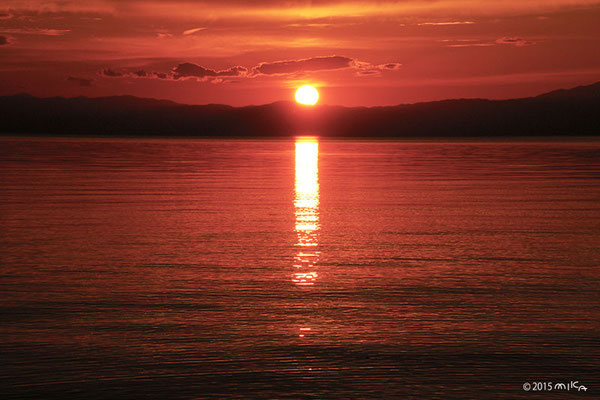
(565, 112)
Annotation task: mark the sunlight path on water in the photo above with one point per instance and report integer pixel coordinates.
(306, 204)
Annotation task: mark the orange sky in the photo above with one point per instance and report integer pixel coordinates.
(253, 52)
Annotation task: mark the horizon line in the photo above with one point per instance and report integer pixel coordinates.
(295, 103)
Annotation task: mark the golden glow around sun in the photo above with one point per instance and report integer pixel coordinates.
(307, 95)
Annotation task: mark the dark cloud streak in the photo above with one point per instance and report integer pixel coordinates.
(303, 65)
(514, 41)
(190, 70)
(277, 68)
(110, 73)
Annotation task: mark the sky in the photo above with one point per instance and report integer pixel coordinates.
(243, 52)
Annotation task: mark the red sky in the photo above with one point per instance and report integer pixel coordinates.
(254, 52)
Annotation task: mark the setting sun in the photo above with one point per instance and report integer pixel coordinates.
(307, 95)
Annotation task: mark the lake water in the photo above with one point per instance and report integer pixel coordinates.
(298, 268)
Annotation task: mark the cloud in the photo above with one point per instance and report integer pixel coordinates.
(312, 25)
(514, 41)
(277, 68)
(368, 72)
(3, 40)
(110, 73)
(4, 15)
(303, 65)
(391, 66)
(181, 71)
(192, 31)
(84, 82)
(328, 63)
(447, 23)
(303, 10)
(138, 73)
(190, 70)
(475, 43)
(37, 31)
(295, 10)
(368, 69)
(471, 45)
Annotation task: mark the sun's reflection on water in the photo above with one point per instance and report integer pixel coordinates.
(306, 204)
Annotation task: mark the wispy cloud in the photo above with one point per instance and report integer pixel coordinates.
(478, 43)
(294, 10)
(36, 31)
(471, 45)
(290, 11)
(192, 31)
(515, 41)
(446, 23)
(312, 25)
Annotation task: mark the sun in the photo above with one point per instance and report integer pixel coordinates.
(307, 95)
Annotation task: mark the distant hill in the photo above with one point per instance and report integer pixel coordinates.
(570, 112)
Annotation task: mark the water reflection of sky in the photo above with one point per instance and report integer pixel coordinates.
(306, 204)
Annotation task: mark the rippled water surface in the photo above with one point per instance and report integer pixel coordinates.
(298, 269)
